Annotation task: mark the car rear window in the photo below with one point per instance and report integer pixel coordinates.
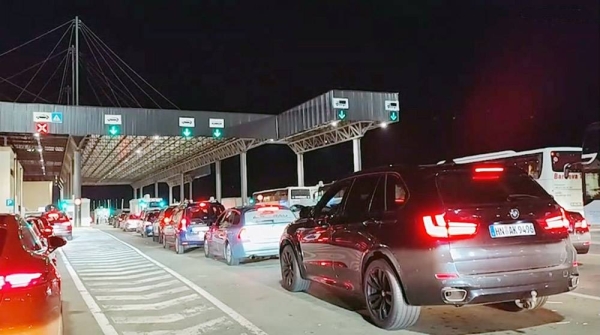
(153, 215)
(268, 215)
(459, 188)
(205, 212)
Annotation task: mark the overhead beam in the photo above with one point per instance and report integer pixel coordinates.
(221, 152)
(335, 135)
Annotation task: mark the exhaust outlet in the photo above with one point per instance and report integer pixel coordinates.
(454, 295)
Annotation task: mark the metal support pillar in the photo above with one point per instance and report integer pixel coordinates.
(300, 163)
(356, 154)
(76, 61)
(218, 190)
(77, 185)
(156, 190)
(244, 178)
(181, 189)
(191, 191)
(170, 194)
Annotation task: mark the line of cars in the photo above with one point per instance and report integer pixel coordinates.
(399, 238)
(232, 234)
(30, 284)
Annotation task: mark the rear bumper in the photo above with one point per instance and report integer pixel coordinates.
(149, 230)
(581, 242)
(247, 250)
(500, 287)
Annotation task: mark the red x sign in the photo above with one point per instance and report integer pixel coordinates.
(41, 128)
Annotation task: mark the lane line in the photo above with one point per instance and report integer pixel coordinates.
(202, 328)
(585, 296)
(169, 318)
(137, 288)
(99, 273)
(152, 307)
(148, 296)
(101, 319)
(133, 282)
(218, 303)
(111, 276)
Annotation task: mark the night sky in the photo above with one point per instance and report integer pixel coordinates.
(473, 76)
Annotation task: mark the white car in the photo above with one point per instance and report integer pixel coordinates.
(131, 223)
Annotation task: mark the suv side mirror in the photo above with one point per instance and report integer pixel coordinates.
(305, 212)
(55, 242)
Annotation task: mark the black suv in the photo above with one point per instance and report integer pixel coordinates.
(405, 237)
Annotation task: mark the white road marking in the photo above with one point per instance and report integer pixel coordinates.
(116, 269)
(131, 283)
(152, 307)
(218, 303)
(169, 318)
(585, 296)
(123, 253)
(202, 328)
(138, 288)
(119, 278)
(101, 319)
(99, 273)
(143, 296)
(107, 262)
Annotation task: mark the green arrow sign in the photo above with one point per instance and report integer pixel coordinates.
(217, 133)
(186, 132)
(114, 130)
(341, 114)
(394, 116)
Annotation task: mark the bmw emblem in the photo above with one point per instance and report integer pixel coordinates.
(514, 213)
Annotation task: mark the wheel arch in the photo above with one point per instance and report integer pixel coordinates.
(297, 253)
(386, 255)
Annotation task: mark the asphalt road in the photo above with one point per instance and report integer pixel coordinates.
(111, 288)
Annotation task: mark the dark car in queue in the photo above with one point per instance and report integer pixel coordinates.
(61, 223)
(30, 285)
(164, 218)
(247, 232)
(189, 223)
(405, 237)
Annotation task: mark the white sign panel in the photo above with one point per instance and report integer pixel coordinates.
(187, 122)
(340, 103)
(42, 117)
(392, 105)
(216, 123)
(112, 119)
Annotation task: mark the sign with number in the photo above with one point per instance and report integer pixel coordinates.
(216, 123)
(187, 122)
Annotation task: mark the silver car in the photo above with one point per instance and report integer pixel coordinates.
(247, 232)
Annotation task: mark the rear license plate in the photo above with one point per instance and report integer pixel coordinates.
(511, 230)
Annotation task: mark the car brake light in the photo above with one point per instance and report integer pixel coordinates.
(444, 276)
(202, 204)
(442, 227)
(19, 280)
(556, 221)
(487, 173)
(489, 169)
(268, 209)
(183, 224)
(243, 235)
(167, 220)
(581, 224)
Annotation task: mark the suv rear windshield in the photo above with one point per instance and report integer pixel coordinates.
(205, 212)
(560, 158)
(458, 188)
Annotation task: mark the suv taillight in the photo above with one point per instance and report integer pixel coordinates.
(556, 220)
(20, 280)
(440, 226)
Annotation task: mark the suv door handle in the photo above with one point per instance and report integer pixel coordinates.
(371, 222)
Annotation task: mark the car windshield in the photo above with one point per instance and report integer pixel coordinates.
(458, 188)
(268, 215)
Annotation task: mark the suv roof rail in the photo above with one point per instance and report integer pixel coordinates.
(448, 161)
